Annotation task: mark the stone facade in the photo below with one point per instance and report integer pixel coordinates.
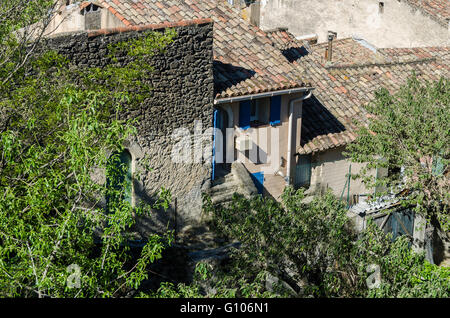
(183, 92)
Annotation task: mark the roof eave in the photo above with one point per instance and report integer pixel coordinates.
(225, 100)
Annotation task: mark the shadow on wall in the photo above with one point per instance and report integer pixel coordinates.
(234, 75)
(159, 220)
(317, 121)
(256, 155)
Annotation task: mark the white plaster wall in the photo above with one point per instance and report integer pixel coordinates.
(71, 20)
(66, 21)
(398, 26)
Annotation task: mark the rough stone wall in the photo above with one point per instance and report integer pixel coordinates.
(183, 90)
(399, 25)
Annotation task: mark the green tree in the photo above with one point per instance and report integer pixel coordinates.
(58, 127)
(296, 242)
(403, 273)
(312, 250)
(408, 133)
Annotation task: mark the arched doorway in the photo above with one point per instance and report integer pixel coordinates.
(222, 125)
(119, 177)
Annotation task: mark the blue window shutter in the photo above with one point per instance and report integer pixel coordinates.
(275, 109)
(245, 109)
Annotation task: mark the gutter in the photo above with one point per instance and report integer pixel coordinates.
(291, 120)
(261, 95)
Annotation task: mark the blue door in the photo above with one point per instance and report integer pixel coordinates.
(258, 180)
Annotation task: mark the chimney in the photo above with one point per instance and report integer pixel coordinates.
(329, 49)
(255, 13)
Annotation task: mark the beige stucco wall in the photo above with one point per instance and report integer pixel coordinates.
(398, 26)
(283, 128)
(329, 170)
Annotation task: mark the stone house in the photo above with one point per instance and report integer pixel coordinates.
(345, 74)
(222, 72)
(182, 93)
(258, 97)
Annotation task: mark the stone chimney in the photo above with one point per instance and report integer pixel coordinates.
(329, 50)
(255, 13)
(251, 10)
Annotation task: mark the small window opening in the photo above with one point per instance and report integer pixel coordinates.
(254, 111)
(380, 7)
(90, 8)
(259, 112)
(92, 15)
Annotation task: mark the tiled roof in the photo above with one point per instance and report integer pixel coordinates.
(245, 62)
(414, 54)
(343, 87)
(439, 10)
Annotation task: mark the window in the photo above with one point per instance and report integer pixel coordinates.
(255, 112)
(261, 112)
(380, 7)
(258, 112)
(119, 177)
(92, 16)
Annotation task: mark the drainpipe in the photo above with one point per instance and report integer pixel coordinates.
(291, 120)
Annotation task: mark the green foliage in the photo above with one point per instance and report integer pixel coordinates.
(293, 240)
(312, 250)
(20, 22)
(58, 128)
(204, 278)
(409, 130)
(404, 273)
